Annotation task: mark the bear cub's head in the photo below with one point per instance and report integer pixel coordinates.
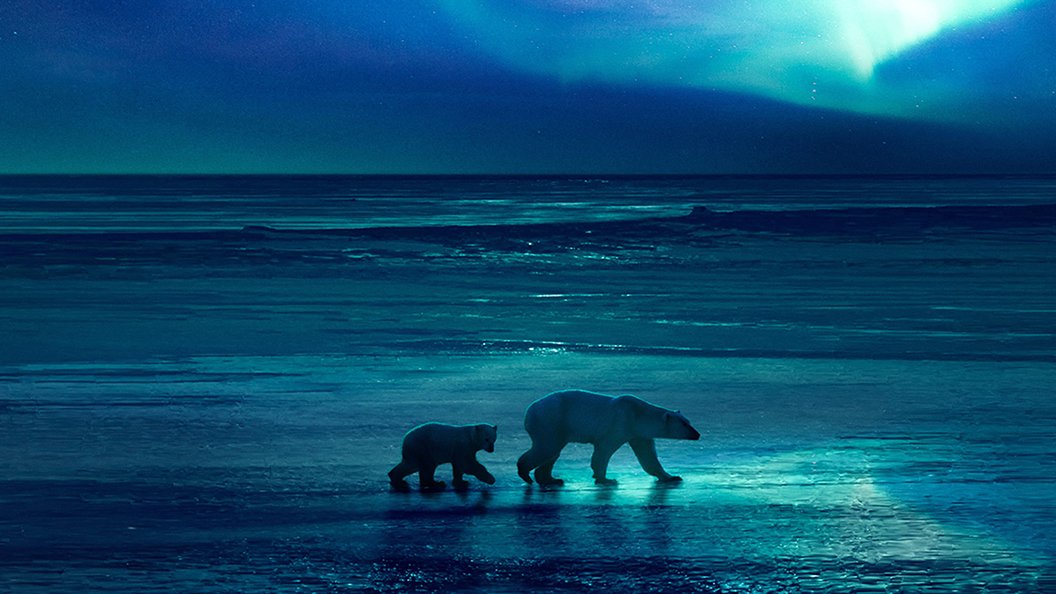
(485, 437)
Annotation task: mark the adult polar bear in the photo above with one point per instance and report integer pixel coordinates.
(607, 422)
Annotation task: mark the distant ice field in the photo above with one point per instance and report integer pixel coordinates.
(187, 203)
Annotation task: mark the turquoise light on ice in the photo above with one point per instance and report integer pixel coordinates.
(810, 52)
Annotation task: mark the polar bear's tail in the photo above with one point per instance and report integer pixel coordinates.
(530, 420)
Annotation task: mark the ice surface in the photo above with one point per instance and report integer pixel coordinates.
(270, 473)
(217, 412)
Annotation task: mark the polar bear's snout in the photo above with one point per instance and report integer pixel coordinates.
(688, 432)
(678, 427)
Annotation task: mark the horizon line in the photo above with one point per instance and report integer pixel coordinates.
(596, 175)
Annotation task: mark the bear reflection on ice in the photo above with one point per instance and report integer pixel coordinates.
(607, 422)
(427, 446)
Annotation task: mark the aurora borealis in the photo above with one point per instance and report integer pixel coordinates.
(826, 52)
(472, 86)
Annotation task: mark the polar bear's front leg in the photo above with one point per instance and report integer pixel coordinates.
(599, 462)
(645, 451)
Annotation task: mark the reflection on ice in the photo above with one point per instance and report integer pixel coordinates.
(786, 519)
(852, 514)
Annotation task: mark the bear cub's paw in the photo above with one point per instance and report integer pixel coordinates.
(434, 486)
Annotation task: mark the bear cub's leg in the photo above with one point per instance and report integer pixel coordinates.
(426, 482)
(456, 479)
(475, 468)
(482, 474)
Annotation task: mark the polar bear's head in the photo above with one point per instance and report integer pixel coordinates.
(484, 437)
(676, 426)
(652, 421)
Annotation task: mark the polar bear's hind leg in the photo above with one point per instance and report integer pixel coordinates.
(544, 474)
(398, 472)
(536, 456)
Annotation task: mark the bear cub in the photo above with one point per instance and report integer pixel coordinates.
(427, 446)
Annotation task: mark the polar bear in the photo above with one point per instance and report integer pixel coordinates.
(607, 422)
(427, 446)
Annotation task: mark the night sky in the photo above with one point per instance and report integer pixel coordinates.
(527, 86)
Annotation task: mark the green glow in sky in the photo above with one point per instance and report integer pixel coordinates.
(807, 52)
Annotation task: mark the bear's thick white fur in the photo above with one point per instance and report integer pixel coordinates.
(427, 446)
(607, 422)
